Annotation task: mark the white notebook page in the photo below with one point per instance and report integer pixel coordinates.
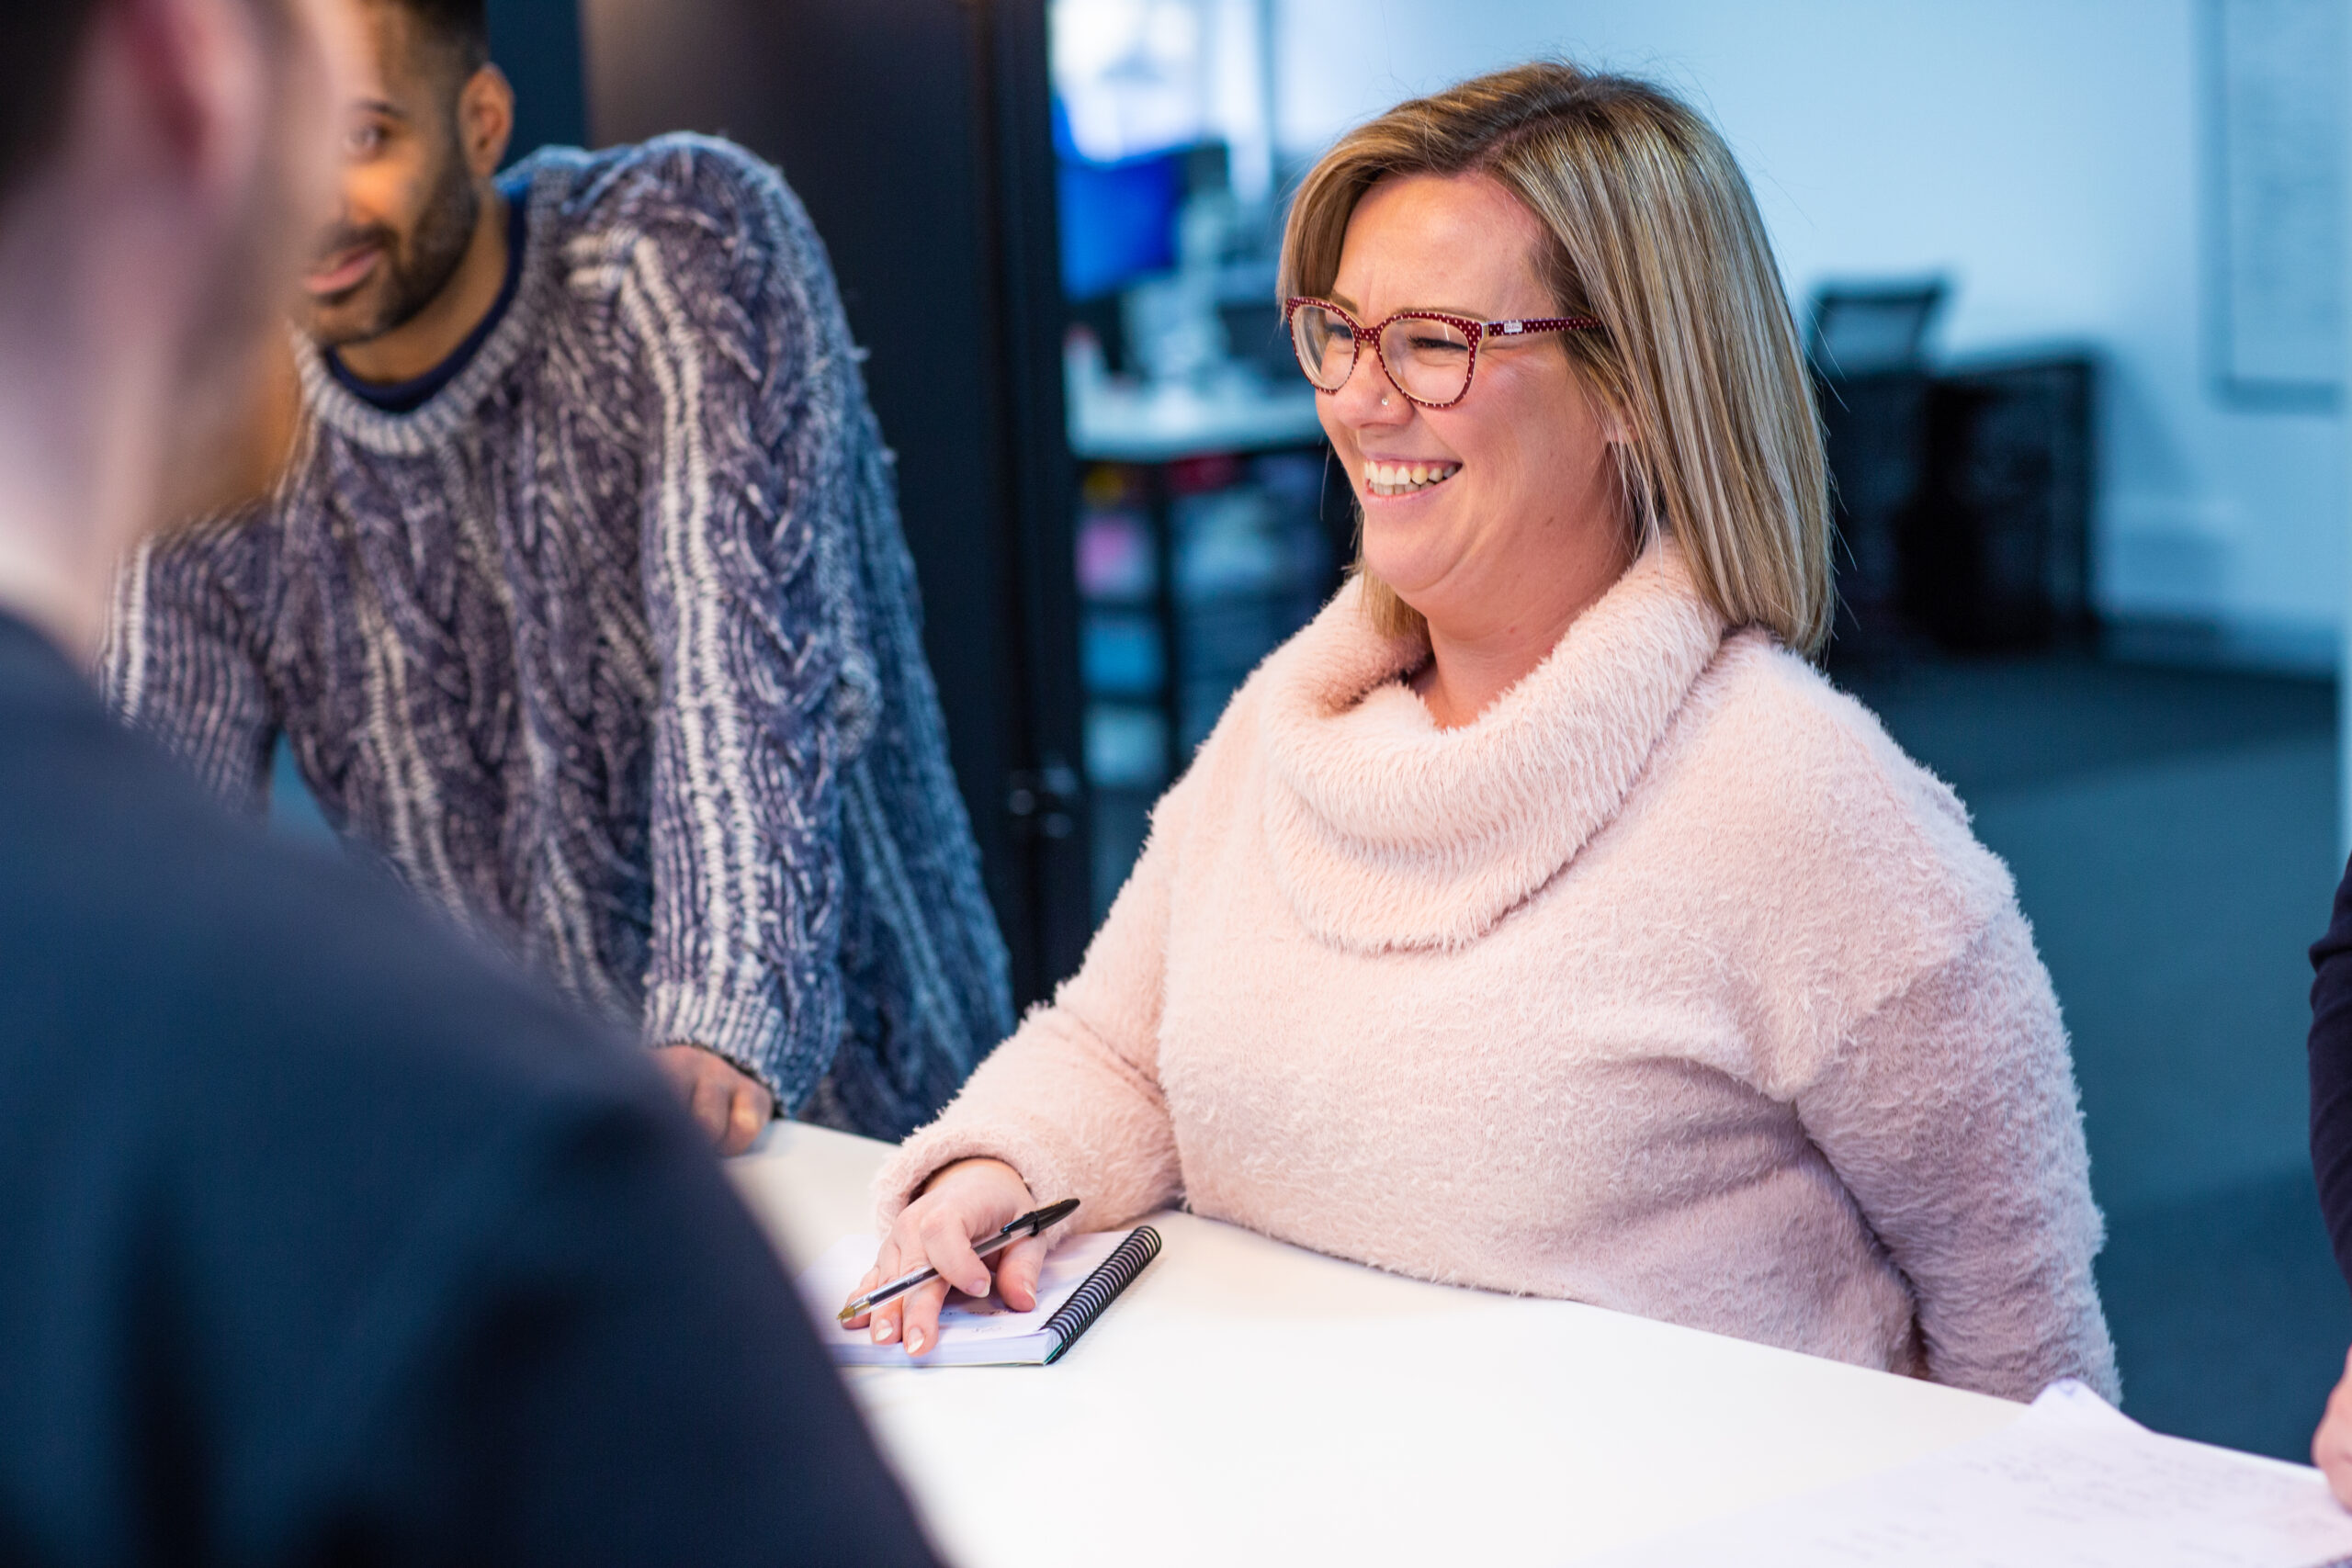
(966, 1327)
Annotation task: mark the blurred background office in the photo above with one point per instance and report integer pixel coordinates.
(2073, 274)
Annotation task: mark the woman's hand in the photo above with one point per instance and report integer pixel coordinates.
(2332, 1444)
(972, 1198)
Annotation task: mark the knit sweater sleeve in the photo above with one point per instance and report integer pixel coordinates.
(1072, 1101)
(1952, 1117)
(183, 658)
(745, 485)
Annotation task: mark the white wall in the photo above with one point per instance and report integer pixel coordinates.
(2047, 154)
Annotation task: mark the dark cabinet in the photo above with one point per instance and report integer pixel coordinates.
(2000, 557)
(1875, 428)
(1963, 506)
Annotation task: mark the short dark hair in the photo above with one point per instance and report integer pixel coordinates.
(462, 25)
(40, 44)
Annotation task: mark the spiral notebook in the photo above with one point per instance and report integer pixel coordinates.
(1082, 1275)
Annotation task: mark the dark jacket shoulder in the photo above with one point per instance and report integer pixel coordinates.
(330, 1238)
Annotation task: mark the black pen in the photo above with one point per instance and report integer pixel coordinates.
(1028, 1225)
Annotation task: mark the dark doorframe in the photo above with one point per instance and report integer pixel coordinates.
(918, 133)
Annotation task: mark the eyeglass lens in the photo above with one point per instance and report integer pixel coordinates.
(1430, 358)
(1325, 345)
(1427, 357)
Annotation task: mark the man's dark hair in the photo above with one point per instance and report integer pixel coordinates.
(462, 25)
(40, 44)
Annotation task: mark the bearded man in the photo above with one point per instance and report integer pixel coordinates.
(327, 1238)
(585, 606)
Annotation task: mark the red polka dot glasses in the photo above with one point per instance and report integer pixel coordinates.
(1430, 355)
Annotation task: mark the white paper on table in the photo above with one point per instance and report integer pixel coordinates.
(2072, 1483)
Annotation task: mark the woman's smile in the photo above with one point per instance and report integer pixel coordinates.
(1386, 479)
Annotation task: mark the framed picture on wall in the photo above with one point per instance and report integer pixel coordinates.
(2276, 220)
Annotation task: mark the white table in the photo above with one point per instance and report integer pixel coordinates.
(1248, 1403)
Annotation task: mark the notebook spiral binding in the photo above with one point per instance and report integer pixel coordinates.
(1116, 1273)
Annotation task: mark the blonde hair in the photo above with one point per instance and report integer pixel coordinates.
(1654, 231)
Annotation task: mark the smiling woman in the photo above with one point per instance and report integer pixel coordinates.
(1621, 211)
(1504, 512)
(1538, 918)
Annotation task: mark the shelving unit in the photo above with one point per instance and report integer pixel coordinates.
(1210, 528)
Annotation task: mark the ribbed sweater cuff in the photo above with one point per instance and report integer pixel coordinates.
(743, 1029)
(1043, 1164)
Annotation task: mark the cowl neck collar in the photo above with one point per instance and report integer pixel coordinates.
(1387, 832)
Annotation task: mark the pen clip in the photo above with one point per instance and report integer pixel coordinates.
(1036, 1221)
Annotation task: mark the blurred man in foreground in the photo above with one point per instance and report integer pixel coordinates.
(320, 1239)
(586, 608)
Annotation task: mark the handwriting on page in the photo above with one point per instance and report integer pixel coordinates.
(2061, 1488)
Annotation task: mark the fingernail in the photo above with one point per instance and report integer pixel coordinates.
(882, 1330)
(981, 1289)
(914, 1339)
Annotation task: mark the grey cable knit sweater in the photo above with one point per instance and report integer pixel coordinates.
(612, 646)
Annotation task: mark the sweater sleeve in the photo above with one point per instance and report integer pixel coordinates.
(183, 658)
(745, 485)
(1952, 1117)
(2330, 1071)
(1072, 1101)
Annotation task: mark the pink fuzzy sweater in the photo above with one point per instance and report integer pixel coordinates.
(1670, 985)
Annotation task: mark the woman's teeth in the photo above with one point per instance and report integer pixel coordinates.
(1404, 479)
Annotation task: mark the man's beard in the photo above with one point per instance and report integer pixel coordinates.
(413, 275)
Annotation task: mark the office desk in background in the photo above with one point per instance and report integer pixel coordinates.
(1248, 1403)
(1210, 528)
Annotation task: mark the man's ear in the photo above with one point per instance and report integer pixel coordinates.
(486, 119)
(199, 69)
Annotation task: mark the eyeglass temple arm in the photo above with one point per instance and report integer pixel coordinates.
(1540, 324)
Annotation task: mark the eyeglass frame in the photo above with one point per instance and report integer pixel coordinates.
(1476, 331)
